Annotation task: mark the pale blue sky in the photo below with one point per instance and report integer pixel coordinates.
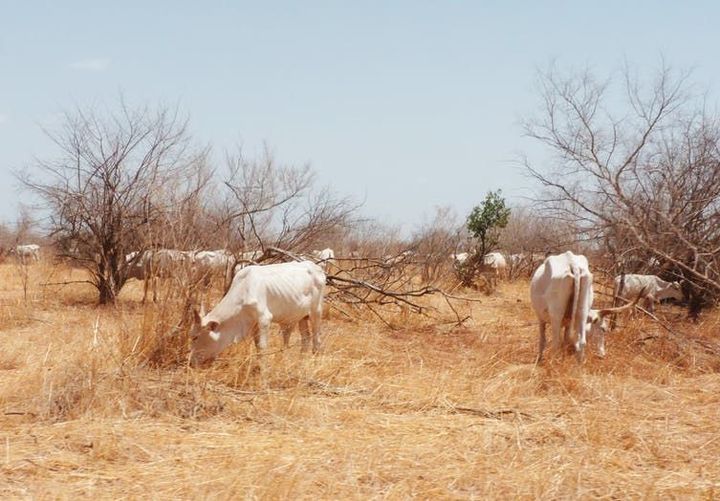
(407, 104)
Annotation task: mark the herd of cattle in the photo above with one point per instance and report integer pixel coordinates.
(290, 294)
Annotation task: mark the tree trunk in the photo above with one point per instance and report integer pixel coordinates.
(108, 291)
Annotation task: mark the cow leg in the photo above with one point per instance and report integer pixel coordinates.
(145, 289)
(601, 343)
(542, 342)
(566, 336)
(556, 328)
(315, 323)
(304, 326)
(154, 288)
(260, 335)
(286, 331)
(650, 303)
(580, 346)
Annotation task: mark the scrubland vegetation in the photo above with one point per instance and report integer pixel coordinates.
(427, 384)
(98, 402)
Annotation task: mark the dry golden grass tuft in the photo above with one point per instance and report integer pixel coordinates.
(97, 402)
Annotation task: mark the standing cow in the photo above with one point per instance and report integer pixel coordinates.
(496, 262)
(561, 294)
(27, 253)
(324, 257)
(150, 265)
(285, 293)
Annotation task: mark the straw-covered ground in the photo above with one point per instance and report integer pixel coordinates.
(93, 406)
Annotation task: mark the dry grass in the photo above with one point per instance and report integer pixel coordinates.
(88, 408)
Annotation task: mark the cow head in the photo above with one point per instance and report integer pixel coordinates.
(206, 339)
(598, 321)
(674, 291)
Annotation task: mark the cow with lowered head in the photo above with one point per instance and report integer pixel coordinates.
(288, 294)
(561, 294)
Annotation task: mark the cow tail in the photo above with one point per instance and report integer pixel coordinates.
(576, 299)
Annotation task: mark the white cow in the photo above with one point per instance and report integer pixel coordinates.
(651, 288)
(496, 262)
(153, 264)
(251, 255)
(516, 259)
(285, 293)
(207, 264)
(324, 257)
(460, 258)
(392, 260)
(27, 253)
(246, 259)
(561, 294)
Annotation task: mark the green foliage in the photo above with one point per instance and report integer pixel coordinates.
(487, 219)
(484, 223)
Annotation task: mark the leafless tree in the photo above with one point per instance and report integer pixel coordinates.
(435, 241)
(275, 205)
(637, 166)
(23, 231)
(530, 236)
(114, 183)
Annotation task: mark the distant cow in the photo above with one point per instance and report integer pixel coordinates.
(561, 294)
(27, 253)
(516, 259)
(251, 255)
(207, 264)
(245, 259)
(150, 265)
(401, 258)
(324, 257)
(651, 288)
(285, 293)
(460, 258)
(496, 262)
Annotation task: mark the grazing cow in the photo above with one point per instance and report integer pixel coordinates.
(392, 260)
(323, 257)
(651, 288)
(516, 259)
(496, 262)
(153, 264)
(285, 293)
(561, 294)
(460, 258)
(207, 264)
(251, 255)
(246, 259)
(27, 253)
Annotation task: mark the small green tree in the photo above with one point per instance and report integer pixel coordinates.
(486, 220)
(484, 224)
